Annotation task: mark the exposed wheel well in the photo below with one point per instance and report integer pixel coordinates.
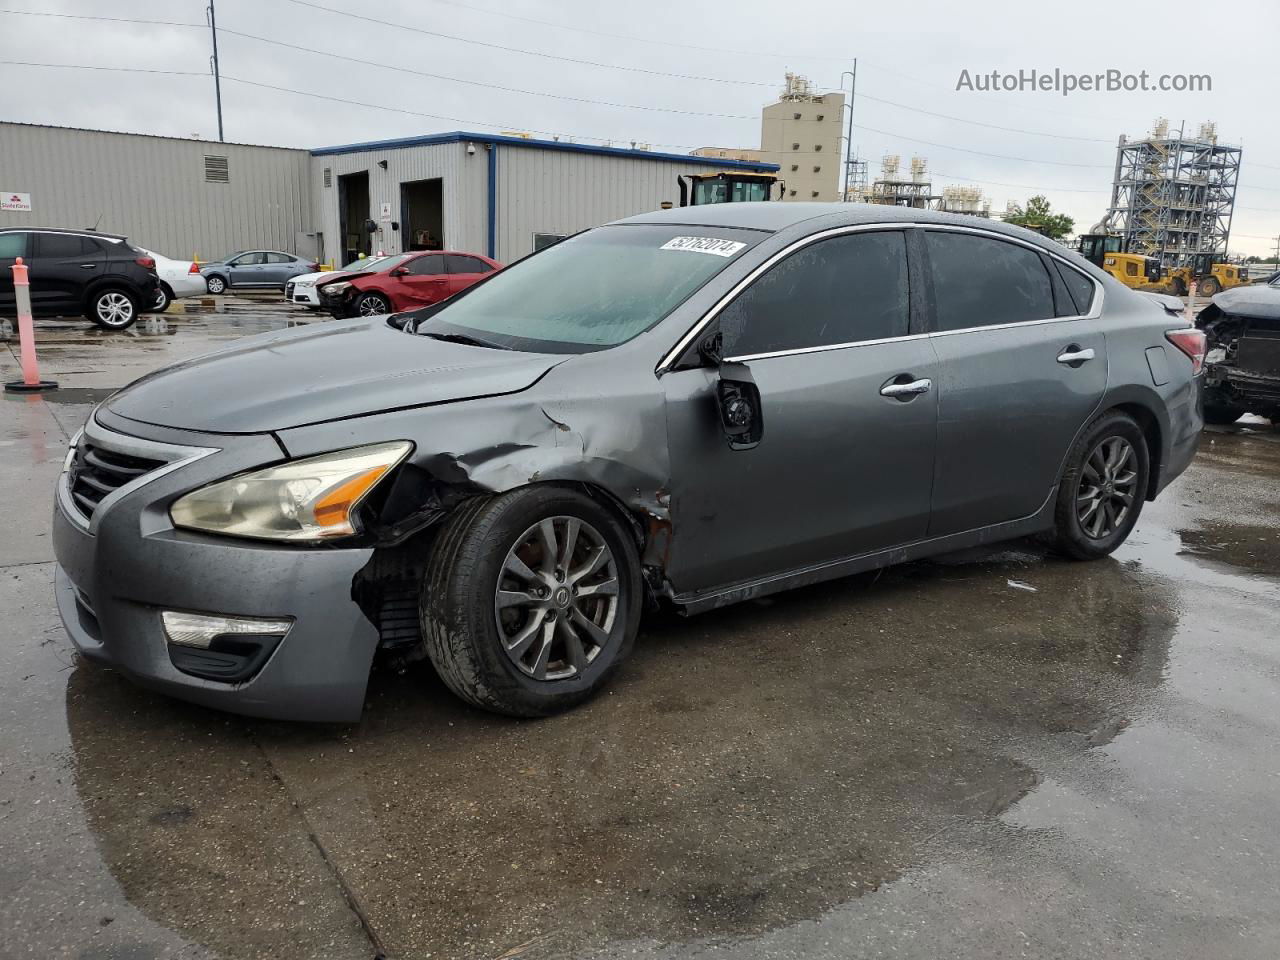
(99, 287)
(1150, 426)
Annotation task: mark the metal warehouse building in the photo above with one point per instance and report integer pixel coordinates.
(177, 197)
(500, 195)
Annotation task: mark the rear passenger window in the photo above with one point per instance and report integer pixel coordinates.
(279, 258)
(1079, 286)
(842, 290)
(462, 264)
(54, 246)
(981, 282)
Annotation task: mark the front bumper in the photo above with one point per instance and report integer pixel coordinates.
(117, 573)
(301, 293)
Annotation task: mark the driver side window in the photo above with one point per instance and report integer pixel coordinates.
(845, 289)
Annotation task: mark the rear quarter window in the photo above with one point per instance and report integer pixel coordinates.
(1079, 286)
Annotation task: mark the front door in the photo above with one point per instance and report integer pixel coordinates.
(844, 463)
(425, 281)
(1020, 375)
(247, 270)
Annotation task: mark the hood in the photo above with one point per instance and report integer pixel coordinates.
(321, 372)
(1261, 300)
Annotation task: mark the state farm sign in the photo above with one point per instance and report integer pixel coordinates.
(14, 201)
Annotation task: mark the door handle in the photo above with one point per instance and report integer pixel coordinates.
(1073, 354)
(905, 391)
(87, 266)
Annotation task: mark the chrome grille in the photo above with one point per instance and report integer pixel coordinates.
(97, 472)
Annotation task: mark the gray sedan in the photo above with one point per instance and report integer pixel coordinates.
(255, 269)
(688, 408)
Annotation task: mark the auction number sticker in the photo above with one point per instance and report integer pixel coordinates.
(717, 248)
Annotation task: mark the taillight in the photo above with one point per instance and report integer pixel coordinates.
(147, 263)
(1191, 342)
(195, 267)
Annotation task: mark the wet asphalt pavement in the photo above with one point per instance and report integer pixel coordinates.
(995, 754)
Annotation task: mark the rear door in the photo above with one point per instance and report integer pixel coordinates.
(464, 270)
(279, 268)
(12, 246)
(1021, 368)
(62, 266)
(425, 281)
(844, 464)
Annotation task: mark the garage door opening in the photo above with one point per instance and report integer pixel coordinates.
(353, 211)
(422, 206)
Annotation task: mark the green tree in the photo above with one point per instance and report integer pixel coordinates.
(1038, 216)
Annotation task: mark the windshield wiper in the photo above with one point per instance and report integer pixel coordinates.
(463, 338)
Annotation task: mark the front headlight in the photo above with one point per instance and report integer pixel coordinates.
(335, 289)
(311, 499)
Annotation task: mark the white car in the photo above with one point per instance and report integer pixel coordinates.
(302, 289)
(178, 279)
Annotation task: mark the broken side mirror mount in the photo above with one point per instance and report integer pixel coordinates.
(738, 400)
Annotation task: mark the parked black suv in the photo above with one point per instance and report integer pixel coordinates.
(78, 272)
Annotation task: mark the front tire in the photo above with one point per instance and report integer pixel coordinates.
(1219, 409)
(531, 600)
(1103, 490)
(371, 305)
(113, 308)
(216, 284)
(164, 297)
(1209, 287)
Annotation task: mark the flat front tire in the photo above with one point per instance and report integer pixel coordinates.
(531, 600)
(1105, 485)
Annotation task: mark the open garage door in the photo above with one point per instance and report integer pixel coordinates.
(422, 214)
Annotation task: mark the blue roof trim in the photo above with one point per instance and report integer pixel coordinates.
(461, 135)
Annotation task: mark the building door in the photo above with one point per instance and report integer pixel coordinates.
(353, 215)
(422, 214)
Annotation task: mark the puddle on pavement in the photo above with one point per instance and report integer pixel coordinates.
(1252, 549)
(752, 767)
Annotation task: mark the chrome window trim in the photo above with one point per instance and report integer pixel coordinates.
(176, 455)
(682, 344)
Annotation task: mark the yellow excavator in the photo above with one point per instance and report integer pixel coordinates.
(697, 189)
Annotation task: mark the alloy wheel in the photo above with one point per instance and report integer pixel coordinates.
(1108, 485)
(371, 306)
(114, 309)
(557, 598)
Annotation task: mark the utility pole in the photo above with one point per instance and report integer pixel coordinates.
(217, 77)
(848, 140)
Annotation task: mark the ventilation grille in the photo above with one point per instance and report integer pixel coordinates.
(216, 170)
(96, 473)
(328, 177)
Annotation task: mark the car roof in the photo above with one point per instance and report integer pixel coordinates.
(71, 230)
(774, 215)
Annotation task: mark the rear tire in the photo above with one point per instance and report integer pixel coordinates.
(475, 610)
(112, 308)
(1102, 492)
(1209, 286)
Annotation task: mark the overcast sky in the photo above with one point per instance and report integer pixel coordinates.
(740, 50)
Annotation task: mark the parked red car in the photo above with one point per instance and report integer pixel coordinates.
(405, 282)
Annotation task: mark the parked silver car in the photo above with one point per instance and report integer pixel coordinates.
(255, 269)
(692, 407)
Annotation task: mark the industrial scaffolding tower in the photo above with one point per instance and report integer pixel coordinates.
(1173, 195)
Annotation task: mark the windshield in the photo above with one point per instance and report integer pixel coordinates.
(363, 263)
(593, 290)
